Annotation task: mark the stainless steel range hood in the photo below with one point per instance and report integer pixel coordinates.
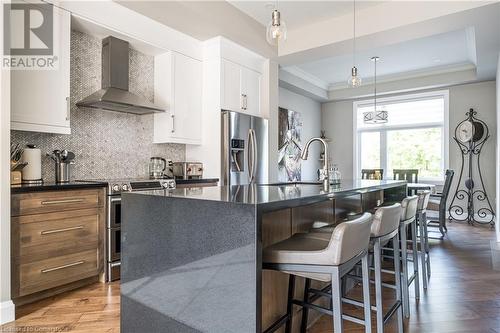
(114, 95)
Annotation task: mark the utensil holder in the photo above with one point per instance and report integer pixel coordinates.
(63, 171)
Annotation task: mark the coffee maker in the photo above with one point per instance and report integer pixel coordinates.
(159, 168)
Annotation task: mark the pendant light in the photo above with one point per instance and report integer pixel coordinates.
(375, 116)
(354, 80)
(276, 29)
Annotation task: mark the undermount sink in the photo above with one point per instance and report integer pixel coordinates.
(292, 183)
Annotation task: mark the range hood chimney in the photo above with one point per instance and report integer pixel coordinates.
(114, 95)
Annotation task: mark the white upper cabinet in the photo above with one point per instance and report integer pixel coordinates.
(250, 89)
(178, 88)
(40, 98)
(231, 92)
(240, 88)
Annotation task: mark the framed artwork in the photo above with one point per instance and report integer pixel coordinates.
(289, 145)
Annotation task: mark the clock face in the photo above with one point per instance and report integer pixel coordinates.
(465, 131)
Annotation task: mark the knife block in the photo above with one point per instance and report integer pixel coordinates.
(15, 177)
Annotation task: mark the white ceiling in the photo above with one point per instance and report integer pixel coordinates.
(297, 13)
(439, 52)
(430, 38)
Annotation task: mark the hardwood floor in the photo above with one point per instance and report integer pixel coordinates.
(463, 296)
(95, 309)
(463, 293)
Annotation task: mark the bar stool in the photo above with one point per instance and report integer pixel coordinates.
(423, 201)
(385, 227)
(324, 257)
(408, 219)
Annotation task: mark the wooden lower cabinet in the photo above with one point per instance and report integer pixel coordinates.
(53, 272)
(54, 248)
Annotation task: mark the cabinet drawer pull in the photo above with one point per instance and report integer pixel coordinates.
(63, 201)
(55, 231)
(68, 109)
(76, 263)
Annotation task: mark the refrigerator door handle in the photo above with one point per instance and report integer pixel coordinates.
(249, 155)
(255, 154)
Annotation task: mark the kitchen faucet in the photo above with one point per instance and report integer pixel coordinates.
(323, 173)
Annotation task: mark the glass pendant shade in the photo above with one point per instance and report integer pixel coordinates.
(376, 117)
(276, 29)
(354, 80)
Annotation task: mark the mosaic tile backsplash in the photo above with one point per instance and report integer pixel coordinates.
(106, 144)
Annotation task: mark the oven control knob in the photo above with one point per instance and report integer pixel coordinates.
(125, 187)
(115, 188)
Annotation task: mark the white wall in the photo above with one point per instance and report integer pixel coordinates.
(311, 127)
(337, 120)
(498, 151)
(6, 305)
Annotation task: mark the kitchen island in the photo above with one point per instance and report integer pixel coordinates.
(191, 258)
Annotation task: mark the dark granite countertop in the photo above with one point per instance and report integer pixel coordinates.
(196, 181)
(279, 194)
(52, 186)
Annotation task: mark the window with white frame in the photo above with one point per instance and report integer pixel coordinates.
(414, 137)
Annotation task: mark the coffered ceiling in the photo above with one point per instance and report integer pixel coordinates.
(443, 52)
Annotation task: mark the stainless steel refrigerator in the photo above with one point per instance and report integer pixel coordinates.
(245, 144)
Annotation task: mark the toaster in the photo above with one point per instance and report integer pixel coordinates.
(188, 170)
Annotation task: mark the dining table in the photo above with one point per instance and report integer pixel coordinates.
(414, 188)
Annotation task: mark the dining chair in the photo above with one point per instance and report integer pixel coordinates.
(375, 174)
(437, 202)
(410, 175)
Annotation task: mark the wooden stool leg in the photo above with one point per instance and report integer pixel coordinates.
(305, 310)
(366, 294)
(289, 305)
(397, 276)
(337, 302)
(416, 281)
(378, 285)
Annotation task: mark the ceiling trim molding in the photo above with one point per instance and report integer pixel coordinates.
(313, 79)
(399, 86)
(300, 86)
(410, 75)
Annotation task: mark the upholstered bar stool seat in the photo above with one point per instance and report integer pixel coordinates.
(325, 257)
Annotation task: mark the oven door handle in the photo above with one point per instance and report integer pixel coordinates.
(115, 199)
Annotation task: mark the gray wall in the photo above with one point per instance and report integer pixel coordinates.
(337, 120)
(106, 144)
(311, 126)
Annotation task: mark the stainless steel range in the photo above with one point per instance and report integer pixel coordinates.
(113, 219)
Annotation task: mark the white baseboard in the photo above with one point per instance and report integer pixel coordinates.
(7, 312)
